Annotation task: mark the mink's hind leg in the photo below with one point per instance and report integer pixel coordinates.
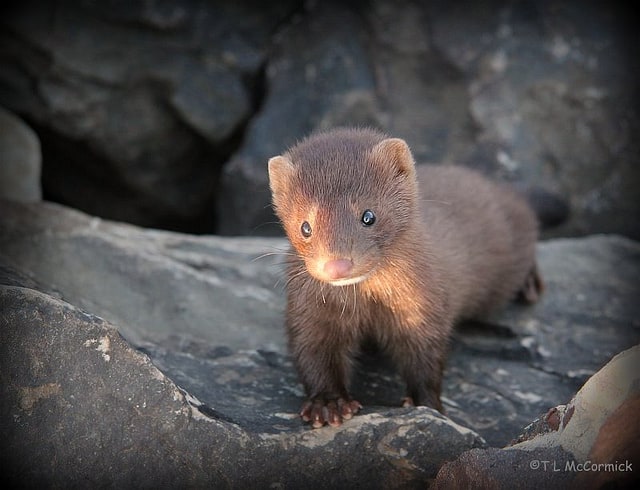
(532, 288)
(421, 366)
(423, 393)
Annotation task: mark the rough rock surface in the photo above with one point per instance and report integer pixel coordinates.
(592, 442)
(179, 129)
(210, 396)
(110, 418)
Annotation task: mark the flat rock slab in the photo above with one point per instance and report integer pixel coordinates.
(202, 390)
(164, 288)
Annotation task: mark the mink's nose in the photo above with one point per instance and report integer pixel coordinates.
(338, 268)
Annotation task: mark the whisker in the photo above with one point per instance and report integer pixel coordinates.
(269, 254)
(283, 276)
(355, 302)
(265, 223)
(294, 275)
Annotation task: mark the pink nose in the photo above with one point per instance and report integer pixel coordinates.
(338, 268)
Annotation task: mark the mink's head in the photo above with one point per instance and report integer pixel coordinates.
(344, 197)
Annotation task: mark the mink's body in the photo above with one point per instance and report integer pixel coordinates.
(387, 251)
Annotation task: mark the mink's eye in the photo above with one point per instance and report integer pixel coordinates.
(368, 218)
(305, 229)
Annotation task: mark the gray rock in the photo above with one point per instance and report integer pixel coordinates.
(209, 317)
(20, 160)
(551, 90)
(156, 286)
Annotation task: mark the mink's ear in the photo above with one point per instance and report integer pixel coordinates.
(280, 171)
(396, 152)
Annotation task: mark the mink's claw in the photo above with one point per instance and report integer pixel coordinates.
(332, 411)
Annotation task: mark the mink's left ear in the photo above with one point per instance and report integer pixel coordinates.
(280, 171)
(396, 152)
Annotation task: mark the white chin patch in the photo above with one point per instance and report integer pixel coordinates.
(349, 281)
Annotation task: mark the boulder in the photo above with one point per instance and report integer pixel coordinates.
(131, 356)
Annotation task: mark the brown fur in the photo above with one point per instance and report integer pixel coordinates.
(453, 246)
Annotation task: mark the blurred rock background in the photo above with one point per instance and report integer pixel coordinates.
(163, 114)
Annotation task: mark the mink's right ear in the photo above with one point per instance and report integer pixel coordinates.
(396, 153)
(280, 171)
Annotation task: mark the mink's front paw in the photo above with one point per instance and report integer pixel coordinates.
(325, 410)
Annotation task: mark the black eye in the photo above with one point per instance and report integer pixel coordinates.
(368, 218)
(305, 229)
